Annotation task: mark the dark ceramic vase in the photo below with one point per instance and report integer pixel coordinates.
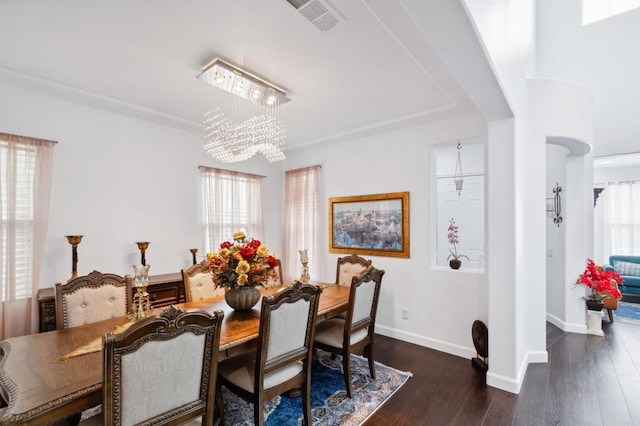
(242, 298)
(594, 305)
(455, 263)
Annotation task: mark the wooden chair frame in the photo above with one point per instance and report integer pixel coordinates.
(352, 258)
(264, 366)
(94, 280)
(366, 344)
(171, 323)
(187, 274)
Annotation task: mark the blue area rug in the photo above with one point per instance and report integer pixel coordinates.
(329, 402)
(628, 313)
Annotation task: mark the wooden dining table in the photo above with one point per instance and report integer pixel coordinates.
(39, 390)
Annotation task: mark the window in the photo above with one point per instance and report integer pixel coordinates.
(25, 176)
(232, 202)
(622, 218)
(301, 220)
(466, 207)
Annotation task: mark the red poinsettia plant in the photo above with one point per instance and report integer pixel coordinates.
(243, 262)
(599, 281)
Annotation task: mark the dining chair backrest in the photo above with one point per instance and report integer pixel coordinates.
(198, 284)
(91, 298)
(284, 355)
(363, 300)
(276, 279)
(287, 323)
(162, 369)
(350, 266)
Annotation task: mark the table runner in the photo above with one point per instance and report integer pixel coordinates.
(93, 346)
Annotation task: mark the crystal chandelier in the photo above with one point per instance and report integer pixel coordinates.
(251, 122)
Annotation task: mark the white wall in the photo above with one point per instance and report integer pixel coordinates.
(442, 304)
(601, 57)
(561, 115)
(117, 180)
(556, 286)
(515, 251)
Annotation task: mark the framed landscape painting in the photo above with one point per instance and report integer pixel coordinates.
(375, 224)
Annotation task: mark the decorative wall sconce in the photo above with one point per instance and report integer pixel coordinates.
(457, 176)
(74, 240)
(193, 254)
(142, 246)
(554, 206)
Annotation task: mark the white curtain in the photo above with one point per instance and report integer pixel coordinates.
(232, 202)
(621, 218)
(25, 183)
(301, 221)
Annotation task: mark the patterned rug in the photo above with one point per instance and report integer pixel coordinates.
(628, 313)
(329, 402)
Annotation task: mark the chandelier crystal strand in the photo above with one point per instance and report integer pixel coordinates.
(254, 120)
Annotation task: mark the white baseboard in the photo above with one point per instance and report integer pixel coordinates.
(567, 326)
(509, 384)
(439, 345)
(514, 384)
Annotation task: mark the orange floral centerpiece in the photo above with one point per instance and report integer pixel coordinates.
(600, 283)
(243, 262)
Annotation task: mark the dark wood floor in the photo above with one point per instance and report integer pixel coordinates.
(589, 380)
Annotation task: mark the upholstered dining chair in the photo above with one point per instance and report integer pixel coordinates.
(91, 298)
(343, 336)
(283, 359)
(349, 266)
(277, 279)
(198, 285)
(161, 370)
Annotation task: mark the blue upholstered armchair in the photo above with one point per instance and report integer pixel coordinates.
(629, 269)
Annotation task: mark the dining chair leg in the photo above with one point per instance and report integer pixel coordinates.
(219, 414)
(306, 403)
(368, 353)
(258, 411)
(346, 368)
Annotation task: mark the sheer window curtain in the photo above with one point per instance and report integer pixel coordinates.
(25, 186)
(232, 201)
(622, 218)
(301, 221)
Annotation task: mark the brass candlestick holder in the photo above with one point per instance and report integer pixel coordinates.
(193, 253)
(141, 306)
(143, 245)
(74, 240)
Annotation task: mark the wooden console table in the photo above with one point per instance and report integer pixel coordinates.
(164, 290)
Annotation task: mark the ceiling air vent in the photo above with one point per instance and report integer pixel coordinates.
(319, 13)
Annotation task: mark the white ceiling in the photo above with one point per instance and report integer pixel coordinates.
(374, 70)
(385, 65)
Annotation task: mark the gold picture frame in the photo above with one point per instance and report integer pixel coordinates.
(375, 225)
